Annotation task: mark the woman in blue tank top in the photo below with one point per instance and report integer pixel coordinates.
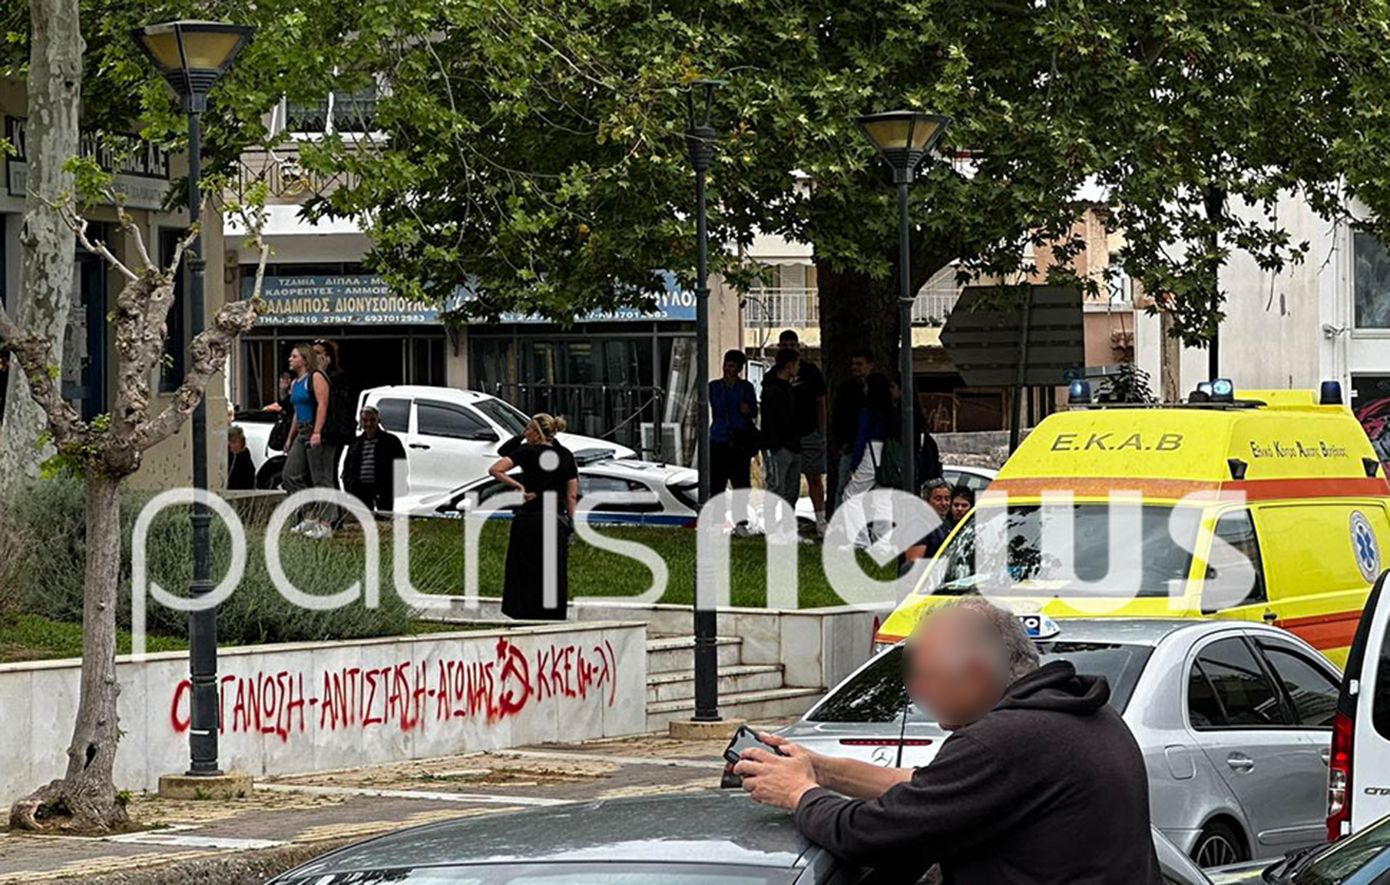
(309, 463)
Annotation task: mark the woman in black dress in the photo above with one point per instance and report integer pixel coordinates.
(547, 470)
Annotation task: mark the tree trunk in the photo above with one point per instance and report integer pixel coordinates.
(54, 87)
(856, 312)
(1170, 359)
(85, 800)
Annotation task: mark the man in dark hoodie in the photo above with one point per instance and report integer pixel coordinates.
(1040, 783)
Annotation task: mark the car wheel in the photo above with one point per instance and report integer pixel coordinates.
(1219, 844)
(271, 474)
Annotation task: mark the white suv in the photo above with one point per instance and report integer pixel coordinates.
(451, 436)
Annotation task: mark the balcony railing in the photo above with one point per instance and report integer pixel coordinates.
(284, 177)
(799, 308)
(794, 307)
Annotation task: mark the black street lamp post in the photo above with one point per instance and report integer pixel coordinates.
(699, 138)
(193, 56)
(904, 138)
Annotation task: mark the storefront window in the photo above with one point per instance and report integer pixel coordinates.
(370, 357)
(1371, 281)
(608, 383)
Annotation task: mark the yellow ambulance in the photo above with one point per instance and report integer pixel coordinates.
(1277, 491)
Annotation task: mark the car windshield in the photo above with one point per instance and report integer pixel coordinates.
(561, 874)
(1166, 535)
(507, 416)
(1346, 857)
(875, 693)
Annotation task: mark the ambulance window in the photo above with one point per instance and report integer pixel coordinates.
(1246, 697)
(1227, 578)
(1312, 691)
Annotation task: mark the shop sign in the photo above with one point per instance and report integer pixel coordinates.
(367, 300)
(358, 300)
(141, 169)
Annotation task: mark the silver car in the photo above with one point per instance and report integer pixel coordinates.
(1234, 719)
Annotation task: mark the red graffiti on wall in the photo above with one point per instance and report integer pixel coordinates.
(409, 694)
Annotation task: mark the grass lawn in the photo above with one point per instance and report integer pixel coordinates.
(256, 613)
(437, 564)
(25, 637)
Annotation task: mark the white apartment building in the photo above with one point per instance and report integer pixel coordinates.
(1327, 318)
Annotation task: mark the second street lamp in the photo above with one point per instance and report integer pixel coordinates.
(699, 137)
(193, 56)
(904, 138)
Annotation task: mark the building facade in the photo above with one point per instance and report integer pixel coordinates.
(145, 176)
(1326, 318)
(628, 376)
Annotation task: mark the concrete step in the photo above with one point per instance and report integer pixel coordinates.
(752, 705)
(680, 684)
(675, 653)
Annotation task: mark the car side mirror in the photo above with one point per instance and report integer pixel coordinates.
(483, 436)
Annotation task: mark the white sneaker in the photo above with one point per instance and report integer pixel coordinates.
(303, 526)
(743, 531)
(318, 531)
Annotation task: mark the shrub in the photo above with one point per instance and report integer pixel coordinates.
(48, 579)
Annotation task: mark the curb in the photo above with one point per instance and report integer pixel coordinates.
(234, 868)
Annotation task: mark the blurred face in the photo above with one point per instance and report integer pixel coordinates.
(533, 434)
(285, 382)
(370, 421)
(792, 368)
(237, 444)
(732, 369)
(939, 499)
(324, 358)
(952, 666)
(789, 342)
(296, 362)
(959, 507)
(860, 367)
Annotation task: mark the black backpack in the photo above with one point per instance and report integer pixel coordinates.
(340, 427)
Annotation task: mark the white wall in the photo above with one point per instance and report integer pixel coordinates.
(315, 706)
(1271, 337)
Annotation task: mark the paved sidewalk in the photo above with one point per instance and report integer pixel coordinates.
(287, 820)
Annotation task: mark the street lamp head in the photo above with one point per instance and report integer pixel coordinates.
(699, 135)
(193, 55)
(903, 138)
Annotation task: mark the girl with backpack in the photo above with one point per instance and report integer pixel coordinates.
(311, 460)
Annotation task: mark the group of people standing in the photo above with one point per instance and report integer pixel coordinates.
(316, 421)
(857, 442)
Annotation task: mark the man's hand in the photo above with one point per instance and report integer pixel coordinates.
(776, 780)
(817, 760)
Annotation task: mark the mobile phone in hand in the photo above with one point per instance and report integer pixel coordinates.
(744, 738)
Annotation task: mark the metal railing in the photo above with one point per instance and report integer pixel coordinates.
(769, 307)
(610, 412)
(799, 308)
(932, 308)
(284, 177)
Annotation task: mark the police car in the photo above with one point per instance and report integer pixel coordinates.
(634, 493)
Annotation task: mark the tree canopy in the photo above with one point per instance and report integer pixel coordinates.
(535, 151)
